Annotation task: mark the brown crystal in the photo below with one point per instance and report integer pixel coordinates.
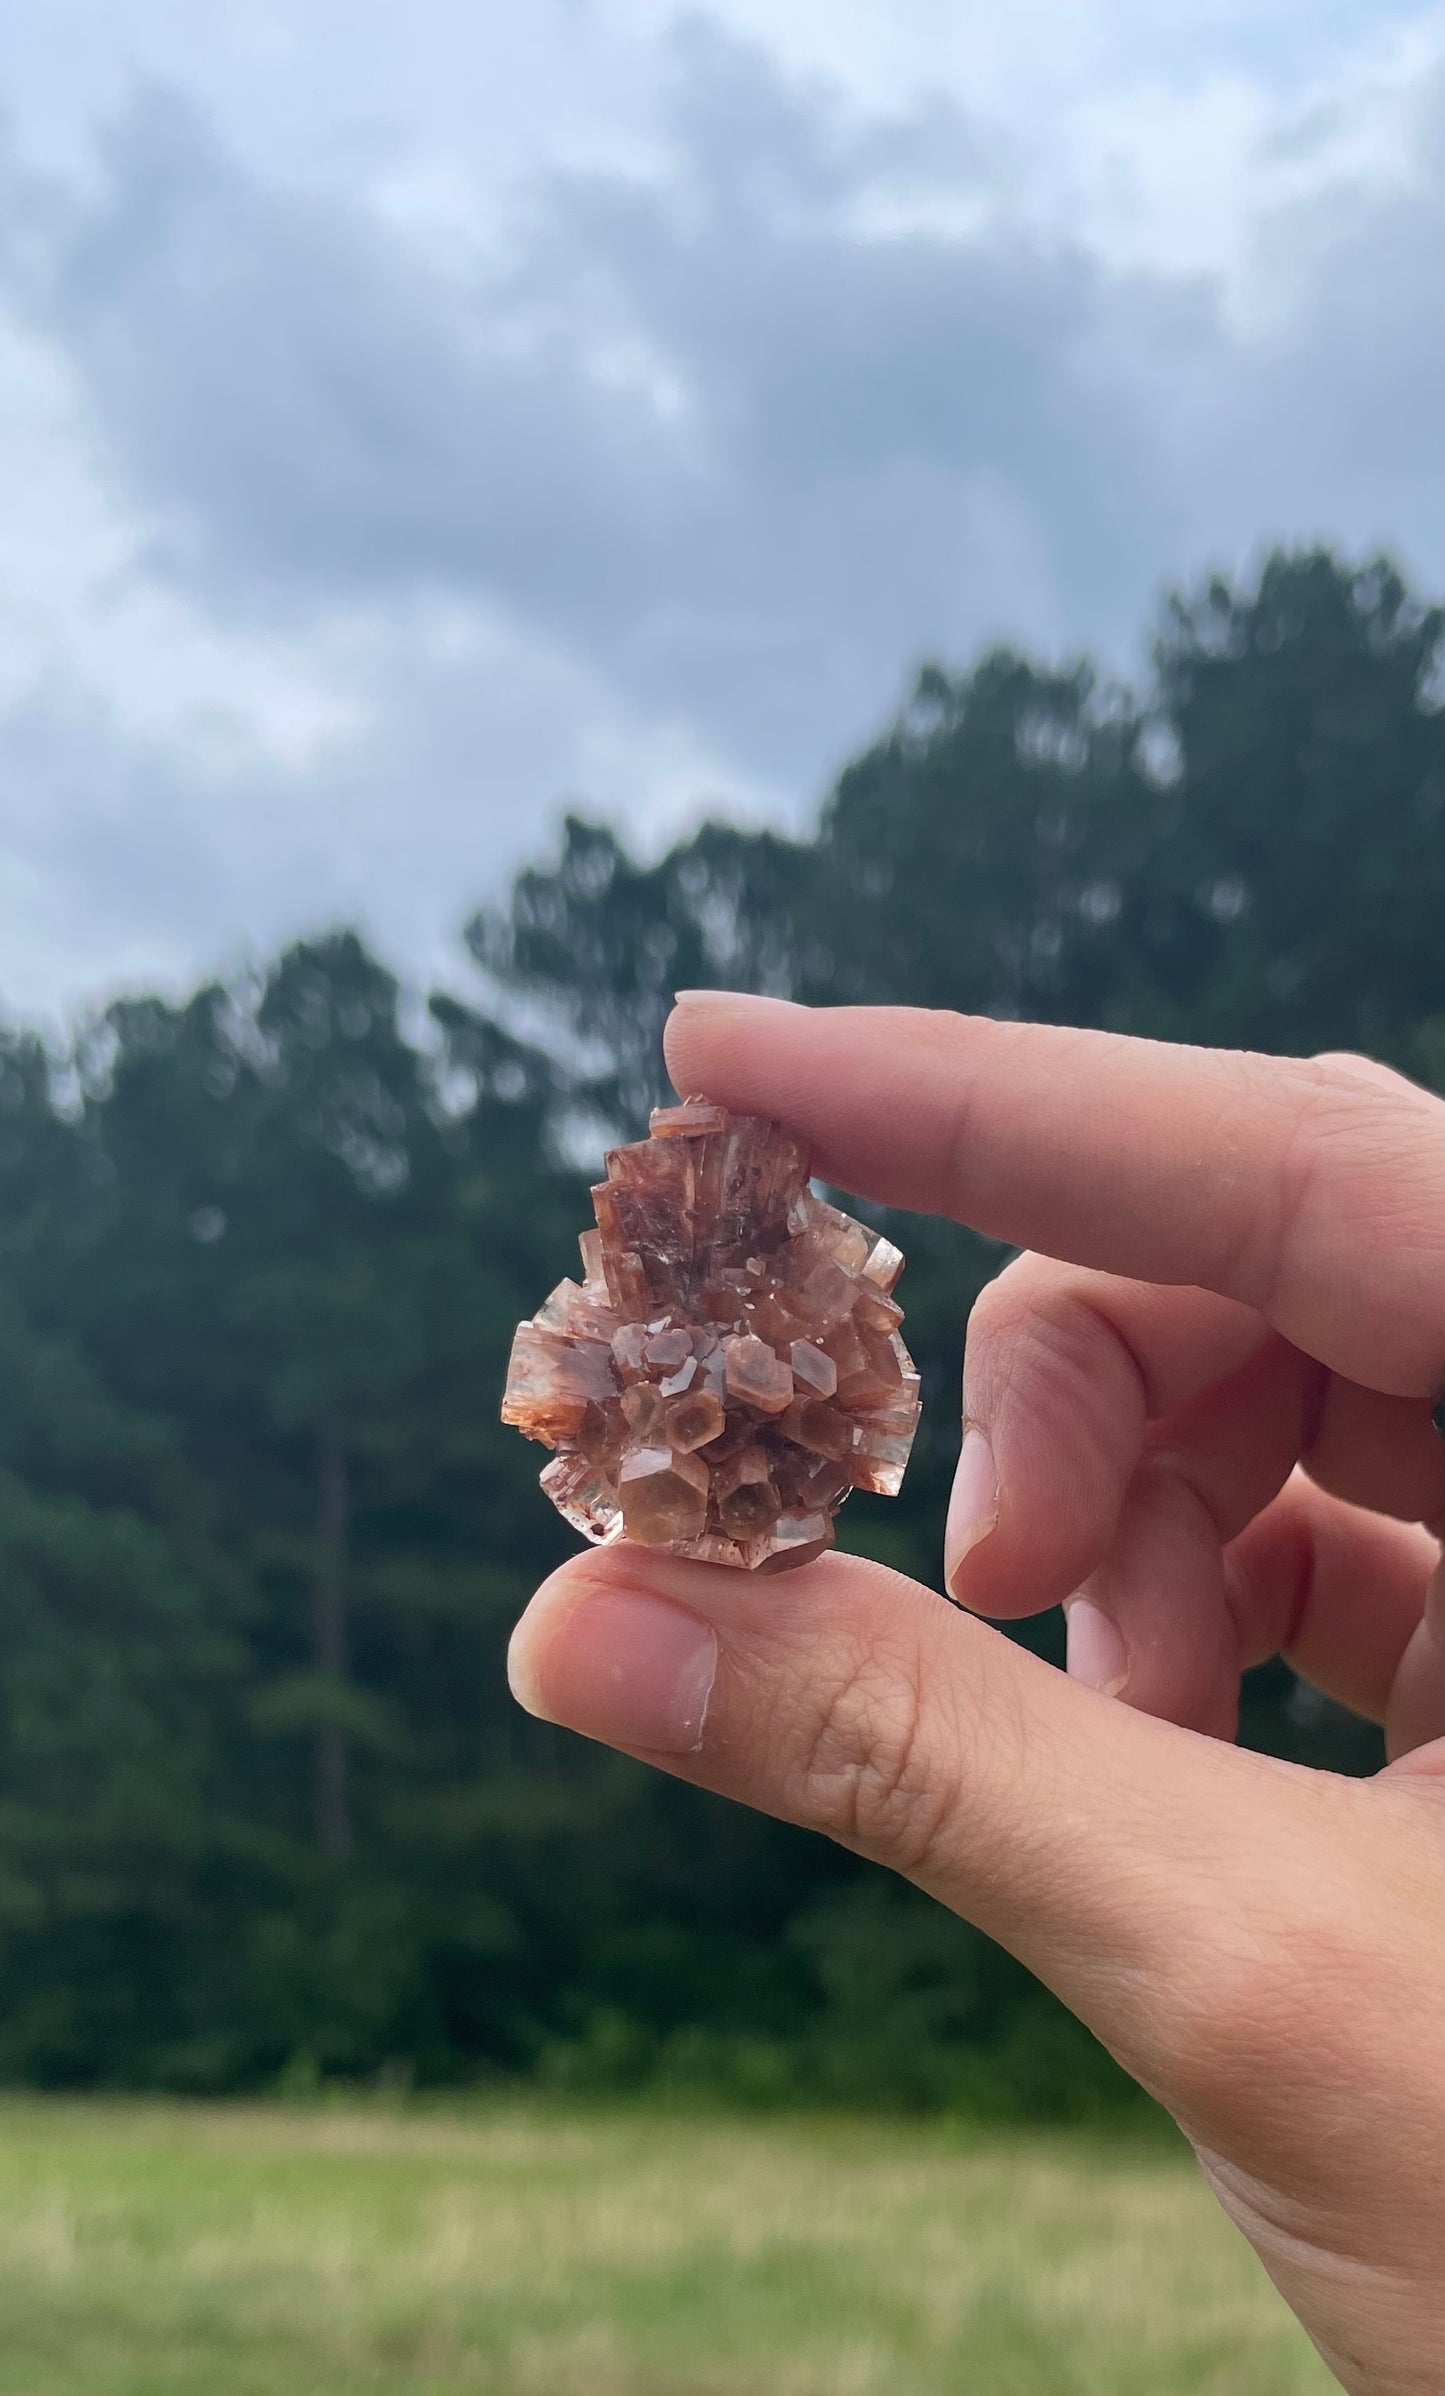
(643, 1408)
(664, 1495)
(693, 1419)
(822, 1429)
(756, 1375)
(688, 1121)
(814, 1372)
(730, 1365)
(743, 1492)
(666, 1350)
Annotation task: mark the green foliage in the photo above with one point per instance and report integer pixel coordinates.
(266, 1811)
(891, 2004)
(605, 942)
(121, 1659)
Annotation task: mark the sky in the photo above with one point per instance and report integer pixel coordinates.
(417, 420)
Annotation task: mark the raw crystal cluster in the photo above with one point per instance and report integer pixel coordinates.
(730, 1365)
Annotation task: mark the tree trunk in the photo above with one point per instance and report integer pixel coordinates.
(328, 1636)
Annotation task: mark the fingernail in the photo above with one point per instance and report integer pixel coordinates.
(618, 1665)
(1095, 1648)
(972, 1506)
(734, 1001)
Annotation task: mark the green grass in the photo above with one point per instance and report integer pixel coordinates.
(150, 2250)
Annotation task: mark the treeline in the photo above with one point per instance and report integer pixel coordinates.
(266, 1811)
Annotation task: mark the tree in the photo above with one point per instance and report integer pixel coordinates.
(264, 1800)
(603, 943)
(124, 1629)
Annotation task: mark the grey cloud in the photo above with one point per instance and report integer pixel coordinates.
(105, 850)
(129, 856)
(1335, 422)
(725, 455)
(876, 444)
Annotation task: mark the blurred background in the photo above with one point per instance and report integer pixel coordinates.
(506, 514)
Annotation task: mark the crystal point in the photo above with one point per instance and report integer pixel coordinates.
(664, 1495)
(730, 1365)
(756, 1375)
(747, 1501)
(693, 1419)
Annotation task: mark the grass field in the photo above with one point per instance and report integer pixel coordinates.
(171, 2251)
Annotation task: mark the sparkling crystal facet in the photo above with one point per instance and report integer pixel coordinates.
(730, 1365)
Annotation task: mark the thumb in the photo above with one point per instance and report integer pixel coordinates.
(1086, 1837)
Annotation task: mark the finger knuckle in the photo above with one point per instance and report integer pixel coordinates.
(1015, 1291)
(1000, 1322)
(1068, 1381)
(872, 1774)
(1044, 1331)
(1358, 1150)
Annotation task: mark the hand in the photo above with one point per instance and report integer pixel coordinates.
(1206, 1432)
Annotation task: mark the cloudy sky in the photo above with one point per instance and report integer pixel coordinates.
(415, 418)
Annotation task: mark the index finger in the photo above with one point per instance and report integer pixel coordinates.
(1311, 1188)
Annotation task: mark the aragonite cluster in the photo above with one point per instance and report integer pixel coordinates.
(730, 1366)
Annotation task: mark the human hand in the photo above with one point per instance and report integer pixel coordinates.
(1205, 1431)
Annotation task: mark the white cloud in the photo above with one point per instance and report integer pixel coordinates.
(405, 443)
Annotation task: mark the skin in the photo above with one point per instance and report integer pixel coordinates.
(1200, 1414)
